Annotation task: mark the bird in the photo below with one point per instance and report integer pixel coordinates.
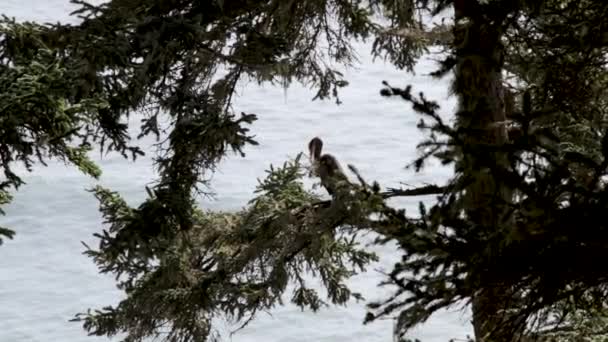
(325, 166)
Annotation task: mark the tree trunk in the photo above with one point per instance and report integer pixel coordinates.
(478, 85)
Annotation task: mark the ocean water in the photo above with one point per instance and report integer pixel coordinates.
(45, 279)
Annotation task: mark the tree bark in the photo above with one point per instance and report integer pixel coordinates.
(478, 85)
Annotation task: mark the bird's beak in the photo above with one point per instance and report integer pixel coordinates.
(311, 159)
(311, 154)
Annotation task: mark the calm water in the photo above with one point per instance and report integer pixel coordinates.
(45, 279)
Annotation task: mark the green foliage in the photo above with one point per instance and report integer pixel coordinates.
(541, 246)
(5, 198)
(37, 118)
(524, 212)
(578, 323)
(38, 121)
(228, 264)
(180, 265)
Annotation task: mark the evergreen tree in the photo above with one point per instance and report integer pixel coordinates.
(38, 118)
(517, 231)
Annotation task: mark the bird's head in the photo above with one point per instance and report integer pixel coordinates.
(315, 146)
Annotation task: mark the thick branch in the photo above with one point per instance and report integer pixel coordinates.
(430, 189)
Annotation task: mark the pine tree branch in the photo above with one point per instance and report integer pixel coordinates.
(430, 189)
(440, 34)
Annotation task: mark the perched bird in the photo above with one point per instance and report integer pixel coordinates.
(325, 166)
